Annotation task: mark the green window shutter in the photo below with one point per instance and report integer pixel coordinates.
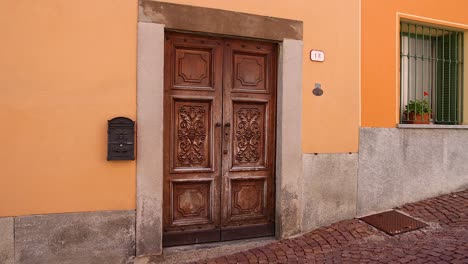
(447, 80)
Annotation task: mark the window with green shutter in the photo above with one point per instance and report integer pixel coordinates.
(431, 74)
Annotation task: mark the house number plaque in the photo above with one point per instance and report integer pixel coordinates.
(317, 55)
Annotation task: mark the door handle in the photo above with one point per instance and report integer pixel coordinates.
(227, 132)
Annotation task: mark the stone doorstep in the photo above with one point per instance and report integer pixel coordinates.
(192, 253)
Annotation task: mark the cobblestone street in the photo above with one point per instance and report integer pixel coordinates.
(445, 240)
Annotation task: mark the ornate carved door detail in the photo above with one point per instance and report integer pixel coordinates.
(191, 132)
(248, 135)
(218, 183)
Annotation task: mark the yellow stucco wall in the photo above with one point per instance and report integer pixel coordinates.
(66, 67)
(380, 50)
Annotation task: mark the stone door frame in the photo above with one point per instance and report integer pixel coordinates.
(154, 18)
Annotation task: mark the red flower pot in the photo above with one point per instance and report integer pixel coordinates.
(414, 118)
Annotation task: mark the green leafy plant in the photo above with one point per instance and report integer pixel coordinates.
(418, 107)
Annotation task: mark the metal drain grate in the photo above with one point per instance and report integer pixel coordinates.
(393, 222)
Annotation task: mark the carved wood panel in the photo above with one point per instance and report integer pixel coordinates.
(249, 100)
(193, 68)
(249, 72)
(191, 203)
(248, 141)
(192, 134)
(247, 198)
(192, 160)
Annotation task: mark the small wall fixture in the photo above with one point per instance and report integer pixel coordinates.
(317, 91)
(121, 139)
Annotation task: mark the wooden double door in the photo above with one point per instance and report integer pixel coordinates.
(219, 139)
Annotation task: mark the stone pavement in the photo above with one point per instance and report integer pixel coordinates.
(445, 240)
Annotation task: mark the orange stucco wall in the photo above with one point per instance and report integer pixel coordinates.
(380, 48)
(66, 67)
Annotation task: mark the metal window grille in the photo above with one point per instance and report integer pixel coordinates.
(431, 74)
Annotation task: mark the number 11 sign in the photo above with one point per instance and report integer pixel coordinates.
(317, 55)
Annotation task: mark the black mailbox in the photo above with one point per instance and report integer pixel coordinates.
(121, 139)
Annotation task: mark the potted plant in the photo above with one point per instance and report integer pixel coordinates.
(418, 112)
